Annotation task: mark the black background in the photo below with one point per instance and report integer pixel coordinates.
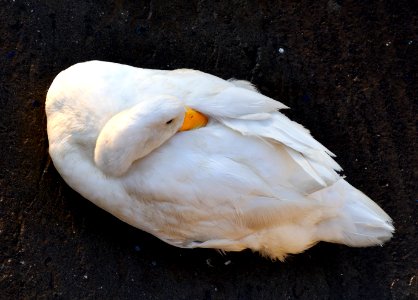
(348, 70)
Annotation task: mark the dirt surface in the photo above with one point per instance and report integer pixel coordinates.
(347, 69)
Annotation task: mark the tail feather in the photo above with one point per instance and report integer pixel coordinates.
(359, 221)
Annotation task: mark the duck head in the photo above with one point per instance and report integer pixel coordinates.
(135, 132)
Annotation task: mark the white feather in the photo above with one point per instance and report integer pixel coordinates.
(251, 178)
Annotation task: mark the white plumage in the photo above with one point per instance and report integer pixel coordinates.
(251, 178)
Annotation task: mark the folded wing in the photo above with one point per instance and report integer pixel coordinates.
(254, 114)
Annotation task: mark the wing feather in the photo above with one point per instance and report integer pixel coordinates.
(309, 154)
(235, 102)
(254, 114)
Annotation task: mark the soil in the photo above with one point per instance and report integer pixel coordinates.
(348, 70)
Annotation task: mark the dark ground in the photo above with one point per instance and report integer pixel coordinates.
(348, 70)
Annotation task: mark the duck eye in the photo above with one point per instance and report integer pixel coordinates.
(169, 122)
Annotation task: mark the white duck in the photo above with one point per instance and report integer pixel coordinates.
(249, 178)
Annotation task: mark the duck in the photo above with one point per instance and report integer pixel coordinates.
(202, 162)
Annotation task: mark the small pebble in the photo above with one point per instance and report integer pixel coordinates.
(208, 262)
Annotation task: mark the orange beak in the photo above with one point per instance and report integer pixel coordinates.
(193, 120)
